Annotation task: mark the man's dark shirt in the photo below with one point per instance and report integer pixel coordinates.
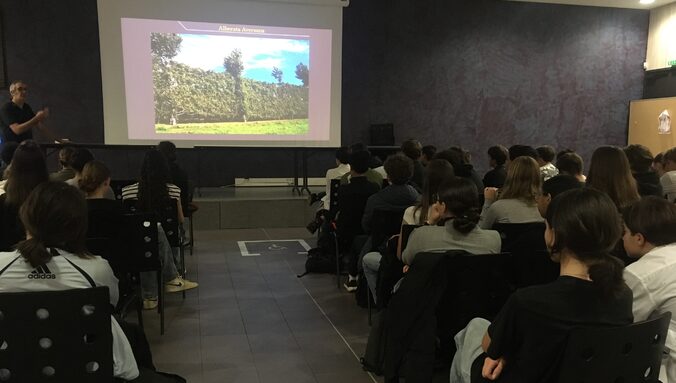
(495, 178)
(648, 183)
(10, 113)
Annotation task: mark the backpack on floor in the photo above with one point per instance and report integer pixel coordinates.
(319, 261)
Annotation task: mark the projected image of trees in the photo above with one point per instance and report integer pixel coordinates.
(211, 84)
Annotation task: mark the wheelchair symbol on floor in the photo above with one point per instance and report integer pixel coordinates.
(276, 247)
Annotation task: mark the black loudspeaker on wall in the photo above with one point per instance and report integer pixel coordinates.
(382, 135)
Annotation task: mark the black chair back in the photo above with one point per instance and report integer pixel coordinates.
(117, 186)
(167, 215)
(56, 336)
(615, 354)
(477, 286)
(532, 263)
(384, 224)
(333, 189)
(144, 248)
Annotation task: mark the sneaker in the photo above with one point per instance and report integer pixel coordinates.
(149, 303)
(179, 284)
(351, 284)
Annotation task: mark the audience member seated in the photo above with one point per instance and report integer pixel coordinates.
(372, 175)
(178, 176)
(668, 179)
(571, 163)
(66, 156)
(413, 150)
(28, 170)
(610, 173)
(436, 173)
(399, 195)
(650, 235)
(516, 201)
(525, 341)
(8, 149)
(516, 151)
(552, 188)
(453, 224)
(152, 191)
(497, 156)
(658, 164)
(428, 153)
(546, 155)
(352, 199)
(80, 159)
(640, 161)
(342, 168)
(105, 215)
(462, 168)
(55, 218)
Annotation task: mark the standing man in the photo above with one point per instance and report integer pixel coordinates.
(17, 119)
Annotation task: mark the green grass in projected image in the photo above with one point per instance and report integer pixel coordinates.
(279, 127)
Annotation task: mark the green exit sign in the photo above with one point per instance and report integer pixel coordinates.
(671, 63)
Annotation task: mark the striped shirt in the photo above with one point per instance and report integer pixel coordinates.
(131, 191)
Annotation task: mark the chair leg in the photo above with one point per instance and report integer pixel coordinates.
(335, 240)
(192, 233)
(160, 299)
(139, 303)
(181, 253)
(368, 299)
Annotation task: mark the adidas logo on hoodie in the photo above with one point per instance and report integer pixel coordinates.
(41, 272)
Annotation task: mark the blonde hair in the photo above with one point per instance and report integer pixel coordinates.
(94, 174)
(524, 180)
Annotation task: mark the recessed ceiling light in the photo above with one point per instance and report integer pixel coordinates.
(646, 1)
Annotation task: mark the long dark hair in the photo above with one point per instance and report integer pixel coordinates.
(55, 216)
(462, 200)
(28, 170)
(610, 173)
(587, 223)
(152, 187)
(437, 172)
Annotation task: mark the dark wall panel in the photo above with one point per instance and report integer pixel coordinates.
(470, 73)
(54, 47)
(485, 72)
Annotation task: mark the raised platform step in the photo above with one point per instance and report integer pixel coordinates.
(252, 207)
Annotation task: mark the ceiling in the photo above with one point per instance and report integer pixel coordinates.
(606, 3)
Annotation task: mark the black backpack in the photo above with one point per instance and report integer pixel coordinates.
(319, 261)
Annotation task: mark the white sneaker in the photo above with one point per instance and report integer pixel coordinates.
(179, 284)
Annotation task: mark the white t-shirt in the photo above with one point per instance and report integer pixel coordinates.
(412, 215)
(668, 182)
(131, 191)
(17, 275)
(652, 279)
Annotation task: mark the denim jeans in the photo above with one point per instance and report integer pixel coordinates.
(168, 259)
(468, 344)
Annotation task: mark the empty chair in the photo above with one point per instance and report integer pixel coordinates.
(615, 354)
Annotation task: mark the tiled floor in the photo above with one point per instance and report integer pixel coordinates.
(252, 320)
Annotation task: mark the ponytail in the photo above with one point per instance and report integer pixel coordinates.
(606, 274)
(34, 251)
(467, 222)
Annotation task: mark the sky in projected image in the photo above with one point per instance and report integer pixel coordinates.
(259, 55)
